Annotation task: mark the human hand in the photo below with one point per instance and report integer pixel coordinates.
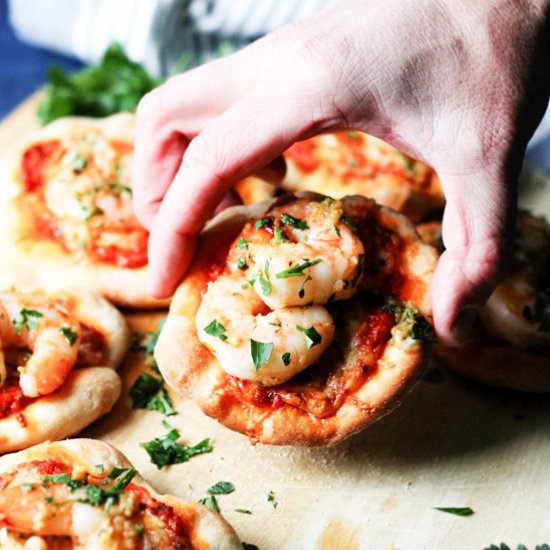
(459, 85)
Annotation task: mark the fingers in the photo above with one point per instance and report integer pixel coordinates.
(242, 140)
(477, 233)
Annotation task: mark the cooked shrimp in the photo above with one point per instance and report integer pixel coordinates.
(50, 334)
(251, 342)
(518, 311)
(53, 510)
(299, 253)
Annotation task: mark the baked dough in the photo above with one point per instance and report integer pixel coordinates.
(340, 394)
(150, 519)
(67, 208)
(510, 345)
(87, 391)
(354, 163)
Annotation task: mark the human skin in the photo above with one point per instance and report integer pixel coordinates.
(459, 85)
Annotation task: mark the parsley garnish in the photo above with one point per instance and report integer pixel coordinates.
(69, 334)
(148, 392)
(28, 318)
(261, 353)
(263, 222)
(298, 223)
(242, 243)
(243, 511)
(79, 163)
(216, 329)
(457, 511)
(99, 468)
(264, 281)
(286, 358)
(279, 235)
(312, 336)
(210, 502)
(242, 265)
(271, 499)
(28, 486)
(221, 488)
(164, 451)
(298, 269)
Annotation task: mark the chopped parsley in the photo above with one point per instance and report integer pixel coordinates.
(221, 488)
(263, 222)
(210, 502)
(242, 243)
(261, 353)
(279, 235)
(464, 512)
(271, 499)
(118, 188)
(264, 281)
(99, 468)
(302, 291)
(298, 269)
(243, 511)
(69, 334)
(79, 163)
(242, 265)
(148, 392)
(164, 451)
(408, 315)
(216, 329)
(286, 358)
(312, 336)
(28, 486)
(298, 223)
(28, 318)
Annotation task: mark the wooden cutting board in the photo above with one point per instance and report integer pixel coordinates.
(450, 444)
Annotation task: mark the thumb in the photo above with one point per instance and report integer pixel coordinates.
(478, 228)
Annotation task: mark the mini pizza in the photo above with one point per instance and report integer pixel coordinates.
(58, 352)
(302, 319)
(85, 494)
(510, 347)
(354, 163)
(70, 220)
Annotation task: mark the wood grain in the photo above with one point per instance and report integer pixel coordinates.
(450, 443)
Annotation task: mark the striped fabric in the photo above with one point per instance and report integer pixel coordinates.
(167, 36)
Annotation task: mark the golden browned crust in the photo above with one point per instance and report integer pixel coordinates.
(499, 365)
(208, 529)
(189, 367)
(22, 252)
(354, 163)
(86, 395)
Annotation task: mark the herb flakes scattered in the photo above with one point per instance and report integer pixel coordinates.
(261, 353)
(216, 329)
(28, 318)
(463, 512)
(312, 336)
(221, 488)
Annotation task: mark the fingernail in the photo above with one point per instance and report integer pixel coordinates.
(464, 322)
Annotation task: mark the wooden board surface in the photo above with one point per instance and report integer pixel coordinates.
(450, 443)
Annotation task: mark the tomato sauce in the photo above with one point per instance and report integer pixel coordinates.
(303, 155)
(34, 164)
(40, 468)
(12, 400)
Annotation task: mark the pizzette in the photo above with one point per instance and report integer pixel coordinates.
(68, 210)
(58, 355)
(83, 493)
(358, 275)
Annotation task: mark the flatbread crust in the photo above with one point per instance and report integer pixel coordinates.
(206, 529)
(190, 367)
(23, 249)
(88, 392)
(355, 163)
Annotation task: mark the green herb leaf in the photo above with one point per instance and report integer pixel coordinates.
(115, 84)
(243, 511)
(28, 486)
(242, 243)
(221, 488)
(261, 353)
(164, 451)
(279, 235)
(263, 222)
(69, 334)
(298, 269)
(99, 468)
(286, 358)
(28, 318)
(298, 223)
(312, 336)
(216, 329)
(242, 265)
(271, 499)
(210, 502)
(264, 281)
(457, 511)
(79, 163)
(148, 392)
